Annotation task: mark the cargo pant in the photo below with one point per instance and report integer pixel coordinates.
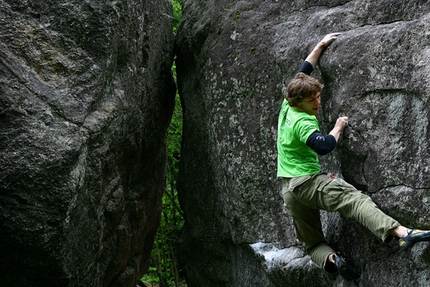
(305, 196)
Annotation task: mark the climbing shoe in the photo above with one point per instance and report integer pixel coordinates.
(414, 236)
(346, 270)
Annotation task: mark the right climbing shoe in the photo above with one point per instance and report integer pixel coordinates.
(346, 270)
(414, 236)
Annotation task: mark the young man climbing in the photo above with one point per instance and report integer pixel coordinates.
(306, 190)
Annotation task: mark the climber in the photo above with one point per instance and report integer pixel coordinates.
(306, 190)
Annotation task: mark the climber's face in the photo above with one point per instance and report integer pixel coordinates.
(310, 105)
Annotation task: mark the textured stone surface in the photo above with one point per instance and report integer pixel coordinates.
(86, 95)
(234, 60)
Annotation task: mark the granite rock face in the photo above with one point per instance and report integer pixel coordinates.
(234, 61)
(86, 96)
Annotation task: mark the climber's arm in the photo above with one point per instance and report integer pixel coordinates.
(313, 57)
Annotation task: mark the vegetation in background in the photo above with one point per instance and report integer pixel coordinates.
(177, 13)
(164, 268)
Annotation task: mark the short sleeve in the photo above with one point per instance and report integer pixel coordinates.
(305, 127)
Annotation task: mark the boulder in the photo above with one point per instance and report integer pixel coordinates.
(234, 60)
(86, 97)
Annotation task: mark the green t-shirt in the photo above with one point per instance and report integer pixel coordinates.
(295, 158)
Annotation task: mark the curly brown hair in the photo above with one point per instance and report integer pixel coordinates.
(301, 87)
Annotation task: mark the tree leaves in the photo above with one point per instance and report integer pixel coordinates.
(164, 268)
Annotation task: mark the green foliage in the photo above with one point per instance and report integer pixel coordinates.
(236, 16)
(164, 270)
(177, 13)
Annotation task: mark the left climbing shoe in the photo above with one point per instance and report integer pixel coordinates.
(346, 270)
(414, 236)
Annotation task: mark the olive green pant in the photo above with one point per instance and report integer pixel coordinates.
(305, 196)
